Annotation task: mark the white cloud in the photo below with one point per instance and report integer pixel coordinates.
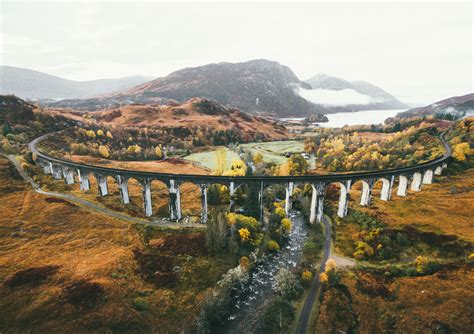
(110, 38)
(329, 97)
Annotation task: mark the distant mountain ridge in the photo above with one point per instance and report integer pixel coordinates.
(34, 85)
(257, 86)
(456, 106)
(380, 99)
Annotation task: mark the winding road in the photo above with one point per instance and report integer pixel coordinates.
(91, 205)
(305, 314)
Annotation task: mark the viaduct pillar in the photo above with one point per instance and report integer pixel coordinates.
(122, 182)
(232, 196)
(402, 185)
(428, 177)
(147, 205)
(387, 185)
(416, 182)
(344, 199)
(69, 176)
(317, 203)
(260, 201)
(83, 180)
(56, 171)
(366, 197)
(102, 183)
(175, 201)
(288, 197)
(204, 211)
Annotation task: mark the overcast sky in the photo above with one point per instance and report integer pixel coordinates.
(418, 52)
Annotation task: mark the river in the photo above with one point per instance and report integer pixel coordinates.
(262, 279)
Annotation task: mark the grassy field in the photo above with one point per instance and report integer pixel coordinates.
(209, 159)
(370, 303)
(66, 269)
(438, 222)
(274, 152)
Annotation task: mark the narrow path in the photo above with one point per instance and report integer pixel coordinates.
(91, 205)
(302, 326)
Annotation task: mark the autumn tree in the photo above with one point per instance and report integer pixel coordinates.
(460, 151)
(287, 284)
(158, 152)
(257, 158)
(238, 168)
(104, 151)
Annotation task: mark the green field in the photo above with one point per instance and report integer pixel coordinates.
(274, 151)
(209, 159)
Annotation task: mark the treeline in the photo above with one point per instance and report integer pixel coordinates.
(339, 151)
(134, 143)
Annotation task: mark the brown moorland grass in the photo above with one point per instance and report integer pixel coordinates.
(444, 207)
(78, 271)
(438, 303)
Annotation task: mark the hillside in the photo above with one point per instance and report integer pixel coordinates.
(192, 114)
(350, 95)
(453, 107)
(35, 85)
(106, 275)
(256, 86)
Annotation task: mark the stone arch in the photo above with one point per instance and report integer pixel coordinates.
(135, 194)
(112, 186)
(438, 170)
(416, 181)
(160, 203)
(190, 196)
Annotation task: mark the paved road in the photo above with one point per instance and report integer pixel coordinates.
(303, 321)
(92, 205)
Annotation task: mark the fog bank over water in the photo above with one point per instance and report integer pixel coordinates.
(342, 97)
(359, 118)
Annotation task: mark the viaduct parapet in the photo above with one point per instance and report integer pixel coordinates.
(411, 176)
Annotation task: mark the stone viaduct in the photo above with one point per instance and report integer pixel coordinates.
(411, 176)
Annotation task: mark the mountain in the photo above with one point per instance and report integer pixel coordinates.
(337, 94)
(34, 85)
(256, 86)
(457, 106)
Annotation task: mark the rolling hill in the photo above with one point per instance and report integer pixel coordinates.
(196, 113)
(34, 85)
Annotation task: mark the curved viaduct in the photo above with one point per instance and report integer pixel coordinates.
(414, 176)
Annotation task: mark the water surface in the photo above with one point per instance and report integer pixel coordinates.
(359, 118)
(263, 276)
